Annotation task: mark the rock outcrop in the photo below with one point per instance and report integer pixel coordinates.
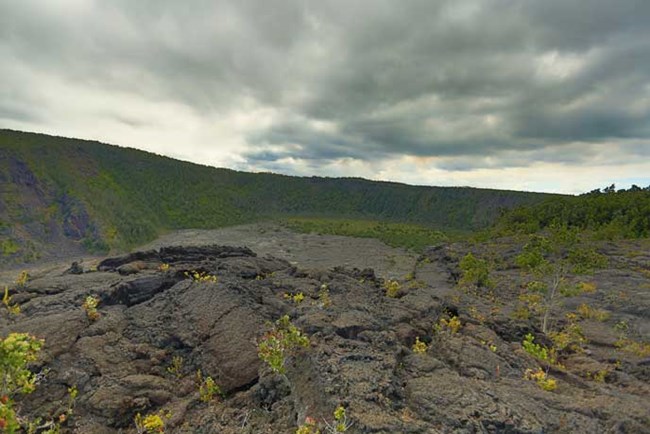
(360, 356)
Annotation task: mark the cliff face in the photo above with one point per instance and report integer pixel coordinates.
(35, 221)
(360, 354)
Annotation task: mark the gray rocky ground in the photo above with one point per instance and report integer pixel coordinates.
(360, 353)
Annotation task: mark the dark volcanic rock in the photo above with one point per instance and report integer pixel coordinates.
(75, 268)
(360, 353)
(137, 291)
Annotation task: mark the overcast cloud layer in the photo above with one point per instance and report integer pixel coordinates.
(549, 95)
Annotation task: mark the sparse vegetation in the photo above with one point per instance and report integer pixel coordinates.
(90, 306)
(598, 376)
(548, 260)
(12, 309)
(153, 423)
(570, 338)
(587, 312)
(282, 341)
(201, 276)
(324, 300)
(22, 279)
(406, 235)
(540, 352)
(637, 348)
(176, 366)
(419, 347)
(452, 325)
(17, 351)
(541, 378)
(392, 288)
(296, 298)
(340, 423)
(475, 272)
(309, 427)
(208, 389)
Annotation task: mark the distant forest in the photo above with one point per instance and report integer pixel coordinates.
(607, 213)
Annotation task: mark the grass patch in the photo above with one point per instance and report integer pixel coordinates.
(405, 235)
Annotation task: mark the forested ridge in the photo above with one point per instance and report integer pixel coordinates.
(78, 192)
(605, 213)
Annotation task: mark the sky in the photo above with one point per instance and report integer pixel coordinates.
(535, 95)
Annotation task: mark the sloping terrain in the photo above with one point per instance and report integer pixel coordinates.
(61, 196)
(470, 379)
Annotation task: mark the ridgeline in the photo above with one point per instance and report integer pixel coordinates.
(62, 195)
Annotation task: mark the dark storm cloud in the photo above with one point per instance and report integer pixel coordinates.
(362, 79)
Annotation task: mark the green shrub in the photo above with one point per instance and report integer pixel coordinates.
(341, 423)
(541, 378)
(201, 276)
(153, 423)
(207, 387)
(548, 260)
(475, 272)
(275, 346)
(176, 367)
(538, 351)
(451, 325)
(324, 300)
(12, 309)
(90, 306)
(17, 351)
(296, 298)
(392, 288)
(419, 347)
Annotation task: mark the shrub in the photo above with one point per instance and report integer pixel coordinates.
(640, 349)
(475, 272)
(538, 351)
(22, 279)
(586, 260)
(176, 367)
(420, 347)
(598, 376)
(324, 299)
(541, 378)
(275, 346)
(588, 312)
(164, 267)
(392, 288)
(296, 298)
(570, 338)
(309, 427)
(17, 350)
(152, 423)
(201, 276)
(13, 309)
(207, 387)
(90, 306)
(340, 424)
(452, 324)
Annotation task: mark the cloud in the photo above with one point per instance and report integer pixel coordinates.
(337, 87)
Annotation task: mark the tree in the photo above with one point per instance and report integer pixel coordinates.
(548, 260)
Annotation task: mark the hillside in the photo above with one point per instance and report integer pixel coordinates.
(62, 196)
